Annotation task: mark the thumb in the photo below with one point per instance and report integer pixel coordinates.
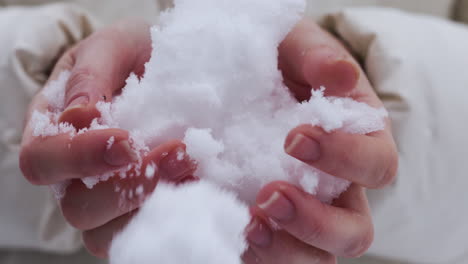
(310, 57)
(99, 68)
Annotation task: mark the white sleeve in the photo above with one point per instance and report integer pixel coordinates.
(418, 66)
(31, 41)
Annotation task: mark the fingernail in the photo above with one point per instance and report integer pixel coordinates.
(120, 154)
(79, 101)
(177, 165)
(350, 67)
(348, 76)
(303, 148)
(259, 234)
(278, 207)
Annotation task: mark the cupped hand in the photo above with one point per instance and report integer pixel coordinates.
(291, 226)
(99, 66)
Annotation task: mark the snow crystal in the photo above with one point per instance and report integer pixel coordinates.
(45, 124)
(309, 182)
(139, 190)
(110, 142)
(55, 92)
(44, 127)
(91, 181)
(150, 170)
(180, 155)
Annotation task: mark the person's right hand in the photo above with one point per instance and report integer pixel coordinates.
(306, 230)
(99, 66)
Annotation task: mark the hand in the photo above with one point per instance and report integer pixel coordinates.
(310, 231)
(99, 66)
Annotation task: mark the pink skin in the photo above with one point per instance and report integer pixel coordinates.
(309, 229)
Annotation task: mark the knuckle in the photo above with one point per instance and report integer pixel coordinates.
(344, 156)
(83, 160)
(359, 245)
(389, 170)
(347, 157)
(79, 78)
(74, 214)
(66, 61)
(314, 232)
(26, 166)
(328, 259)
(345, 161)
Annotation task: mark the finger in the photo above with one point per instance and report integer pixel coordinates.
(102, 63)
(280, 248)
(310, 57)
(344, 231)
(89, 208)
(369, 160)
(98, 241)
(51, 160)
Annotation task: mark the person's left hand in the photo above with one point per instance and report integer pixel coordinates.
(309, 231)
(99, 66)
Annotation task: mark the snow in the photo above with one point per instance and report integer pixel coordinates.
(150, 170)
(44, 126)
(55, 92)
(151, 237)
(59, 189)
(110, 142)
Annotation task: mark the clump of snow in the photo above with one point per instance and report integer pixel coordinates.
(110, 142)
(150, 170)
(91, 181)
(140, 190)
(180, 155)
(46, 124)
(55, 92)
(213, 81)
(151, 238)
(45, 127)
